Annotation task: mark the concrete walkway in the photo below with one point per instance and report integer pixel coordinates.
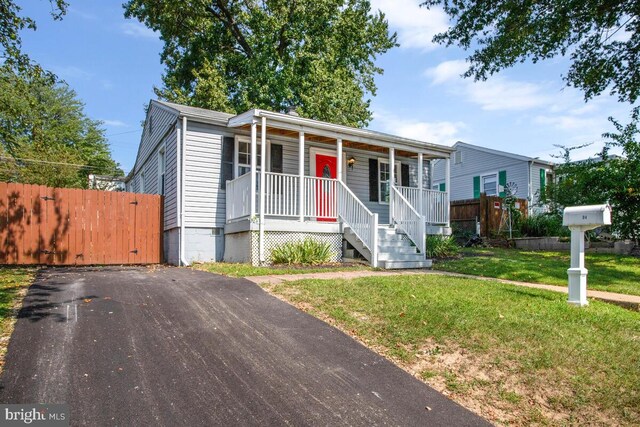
(628, 301)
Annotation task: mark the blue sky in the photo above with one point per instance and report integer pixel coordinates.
(113, 64)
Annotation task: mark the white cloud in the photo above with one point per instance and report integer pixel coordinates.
(446, 71)
(114, 123)
(415, 25)
(500, 93)
(567, 122)
(443, 132)
(136, 29)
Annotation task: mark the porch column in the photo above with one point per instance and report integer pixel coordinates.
(301, 176)
(339, 154)
(421, 209)
(254, 161)
(447, 188)
(392, 170)
(263, 177)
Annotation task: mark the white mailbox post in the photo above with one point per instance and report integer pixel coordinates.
(580, 219)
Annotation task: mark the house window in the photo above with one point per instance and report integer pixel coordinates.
(243, 151)
(161, 169)
(383, 179)
(141, 189)
(490, 184)
(436, 186)
(457, 157)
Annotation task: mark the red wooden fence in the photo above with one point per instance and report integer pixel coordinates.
(66, 226)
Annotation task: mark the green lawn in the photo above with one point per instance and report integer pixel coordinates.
(512, 354)
(13, 285)
(613, 273)
(245, 270)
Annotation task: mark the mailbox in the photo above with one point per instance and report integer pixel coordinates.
(580, 219)
(587, 217)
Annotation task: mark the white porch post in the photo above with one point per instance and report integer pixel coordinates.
(421, 209)
(447, 188)
(392, 180)
(301, 175)
(339, 154)
(254, 161)
(263, 171)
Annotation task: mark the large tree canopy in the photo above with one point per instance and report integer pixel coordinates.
(11, 23)
(601, 37)
(45, 137)
(315, 55)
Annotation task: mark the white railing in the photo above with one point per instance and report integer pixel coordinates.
(407, 219)
(239, 197)
(320, 198)
(281, 194)
(435, 206)
(363, 223)
(434, 203)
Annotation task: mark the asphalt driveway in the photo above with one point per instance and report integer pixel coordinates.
(171, 346)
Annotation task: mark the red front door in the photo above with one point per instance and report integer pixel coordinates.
(326, 167)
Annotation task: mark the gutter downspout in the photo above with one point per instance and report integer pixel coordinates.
(183, 144)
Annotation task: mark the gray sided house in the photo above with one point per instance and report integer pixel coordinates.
(237, 186)
(476, 169)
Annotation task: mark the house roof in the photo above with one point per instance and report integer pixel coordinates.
(294, 123)
(196, 113)
(332, 130)
(502, 153)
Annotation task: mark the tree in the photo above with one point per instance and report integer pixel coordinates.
(613, 179)
(11, 23)
(45, 137)
(602, 38)
(230, 55)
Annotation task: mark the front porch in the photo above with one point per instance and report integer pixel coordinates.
(335, 183)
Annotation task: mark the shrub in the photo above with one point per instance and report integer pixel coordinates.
(308, 251)
(543, 225)
(441, 247)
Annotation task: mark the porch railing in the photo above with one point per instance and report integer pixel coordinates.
(362, 221)
(281, 194)
(434, 203)
(239, 197)
(320, 198)
(407, 219)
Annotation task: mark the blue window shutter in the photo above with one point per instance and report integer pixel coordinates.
(443, 187)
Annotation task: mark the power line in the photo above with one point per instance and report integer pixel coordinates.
(47, 162)
(123, 133)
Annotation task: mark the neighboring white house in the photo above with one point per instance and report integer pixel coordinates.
(210, 166)
(476, 169)
(106, 182)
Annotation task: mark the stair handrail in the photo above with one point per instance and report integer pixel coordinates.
(360, 219)
(408, 219)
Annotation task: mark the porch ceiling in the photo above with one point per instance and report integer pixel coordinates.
(346, 143)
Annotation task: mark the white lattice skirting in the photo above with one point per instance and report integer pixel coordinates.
(273, 239)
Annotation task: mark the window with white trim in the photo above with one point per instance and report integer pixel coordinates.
(243, 156)
(161, 170)
(384, 173)
(489, 184)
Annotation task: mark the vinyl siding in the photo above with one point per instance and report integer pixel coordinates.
(477, 163)
(162, 133)
(204, 201)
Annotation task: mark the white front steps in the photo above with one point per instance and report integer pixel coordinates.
(395, 251)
